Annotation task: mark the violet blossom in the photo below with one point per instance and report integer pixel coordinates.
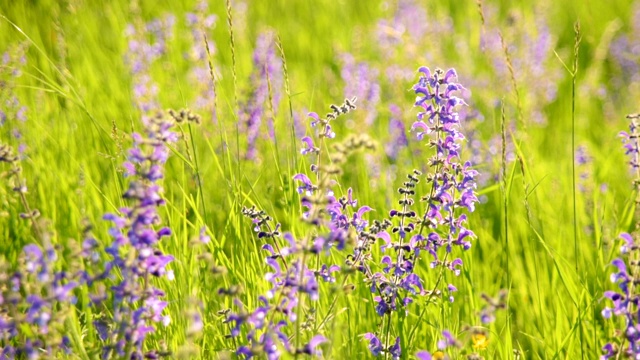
(201, 23)
(265, 93)
(625, 300)
(291, 278)
(452, 195)
(137, 307)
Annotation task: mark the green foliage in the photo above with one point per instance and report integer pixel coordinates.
(78, 92)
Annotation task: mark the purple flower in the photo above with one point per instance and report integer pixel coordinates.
(361, 81)
(395, 350)
(448, 341)
(375, 345)
(35, 299)
(311, 348)
(309, 147)
(136, 233)
(265, 94)
(146, 44)
(397, 131)
(306, 186)
(423, 355)
(625, 299)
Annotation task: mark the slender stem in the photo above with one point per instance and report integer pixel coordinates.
(576, 51)
(198, 175)
(299, 305)
(505, 198)
(36, 226)
(573, 142)
(235, 89)
(387, 336)
(424, 310)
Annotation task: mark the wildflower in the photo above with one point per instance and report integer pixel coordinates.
(479, 340)
(398, 133)
(453, 193)
(375, 345)
(625, 298)
(424, 355)
(141, 54)
(135, 248)
(200, 22)
(35, 300)
(361, 81)
(487, 314)
(265, 94)
(291, 279)
(204, 238)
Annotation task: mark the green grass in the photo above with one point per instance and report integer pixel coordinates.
(78, 91)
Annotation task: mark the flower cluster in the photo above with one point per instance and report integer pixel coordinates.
(583, 160)
(453, 181)
(292, 279)
(289, 279)
(361, 81)
(35, 299)
(452, 191)
(526, 63)
(36, 295)
(142, 54)
(625, 300)
(398, 134)
(11, 109)
(408, 20)
(625, 51)
(201, 23)
(136, 304)
(262, 102)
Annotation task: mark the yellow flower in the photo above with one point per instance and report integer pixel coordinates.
(438, 355)
(480, 341)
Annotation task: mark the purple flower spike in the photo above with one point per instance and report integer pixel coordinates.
(624, 300)
(267, 80)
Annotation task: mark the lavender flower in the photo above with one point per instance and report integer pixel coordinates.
(625, 51)
(136, 304)
(583, 161)
(290, 277)
(11, 109)
(201, 23)
(398, 133)
(265, 94)
(409, 27)
(361, 81)
(625, 299)
(623, 302)
(35, 300)
(141, 55)
(487, 314)
(452, 192)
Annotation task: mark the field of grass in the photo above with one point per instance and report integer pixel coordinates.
(547, 88)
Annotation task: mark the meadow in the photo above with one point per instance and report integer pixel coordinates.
(332, 179)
